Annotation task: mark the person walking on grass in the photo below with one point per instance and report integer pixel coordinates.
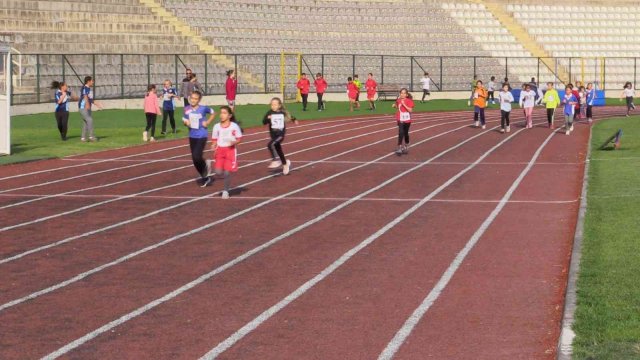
(628, 93)
(276, 118)
(591, 97)
(151, 111)
(551, 100)
(426, 84)
(85, 106)
(321, 86)
(505, 97)
(198, 118)
(569, 101)
(303, 85)
(225, 137)
(404, 105)
(62, 98)
(169, 94)
(479, 104)
(231, 89)
(372, 87)
(527, 102)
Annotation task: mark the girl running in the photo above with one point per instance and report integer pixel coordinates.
(591, 96)
(276, 118)
(506, 98)
(352, 93)
(372, 87)
(231, 87)
(628, 93)
(551, 99)
(226, 135)
(198, 118)
(151, 111)
(62, 96)
(582, 100)
(426, 84)
(169, 93)
(405, 105)
(527, 102)
(491, 87)
(321, 86)
(85, 105)
(569, 101)
(479, 104)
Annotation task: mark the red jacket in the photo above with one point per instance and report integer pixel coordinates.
(321, 85)
(303, 85)
(232, 88)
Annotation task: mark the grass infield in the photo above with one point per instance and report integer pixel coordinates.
(608, 314)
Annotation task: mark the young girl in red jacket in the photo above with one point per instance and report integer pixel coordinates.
(372, 87)
(352, 93)
(321, 86)
(303, 85)
(231, 88)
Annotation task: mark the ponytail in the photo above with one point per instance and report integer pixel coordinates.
(56, 85)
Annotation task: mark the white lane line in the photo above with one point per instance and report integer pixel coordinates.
(305, 198)
(400, 337)
(49, 217)
(267, 314)
(155, 212)
(78, 342)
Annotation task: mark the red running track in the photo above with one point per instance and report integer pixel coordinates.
(94, 283)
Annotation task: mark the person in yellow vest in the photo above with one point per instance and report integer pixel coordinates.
(479, 104)
(551, 99)
(358, 84)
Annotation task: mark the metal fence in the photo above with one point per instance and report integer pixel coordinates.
(128, 75)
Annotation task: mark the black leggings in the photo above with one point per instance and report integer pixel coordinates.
(197, 155)
(62, 118)
(425, 92)
(629, 103)
(151, 123)
(275, 146)
(589, 111)
(479, 113)
(172, 120)
(305, 98)
(550, 113)
(491, 96)
(504, 118)
(320, 101)
(403, 132)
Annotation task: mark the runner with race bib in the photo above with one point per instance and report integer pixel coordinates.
(405, 105)
(276, 118)
(225, 136)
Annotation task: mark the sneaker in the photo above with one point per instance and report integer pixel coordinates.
(484, 127)
(502, 131)
(275, 164)
(476, 124)
(225, 195)
(208, 167)
(286, 167)
(206, 182)
(145, 136)
(405, 150)
(374, 106)
(571, 128)
(568, 132)
(163, 133)
(93, 139)
(590, 120)
(399, 151)
(508, 128)
(85, 140)
(633, 106)
(152, 139)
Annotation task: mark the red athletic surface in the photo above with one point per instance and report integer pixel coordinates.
(504, 302)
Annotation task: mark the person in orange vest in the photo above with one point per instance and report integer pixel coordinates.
(479, 104)
(303, 85)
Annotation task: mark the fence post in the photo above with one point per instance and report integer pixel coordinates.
(538, 75)
(353, 65)
(206, 74)
(122, 75)
(604, 74)
(441, 83)
(235, 64)
(634, 71)
(38, 78)
(175, 67)
(506, 67)
(474, 67)
(570, 70)
(322, 64)
(266, 72)
(148, 70)
(93, 74)
(411, 82)
(382, 69)
(63, 68)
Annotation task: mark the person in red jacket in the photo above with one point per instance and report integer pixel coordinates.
(303, 85)
(231, 89)
(321, 86)
(372, 87)
(352, 93)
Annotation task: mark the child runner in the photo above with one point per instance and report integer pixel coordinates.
(303, 85)
(591, 96)
(358, 84)
(426, 83)
(569, 101)
(352, 93)
(628, 93)
(405, 105)
(151, 111)
(582, 100)
(226, 135)
(527, 102)
(85, 106)
(169, 93)
(576, 94)
(479, 104)
(491, 87)
(506, 82)
(321, 86)
(231, 88)
(372, 87)
(198, 118)
(63, 95)
(505, 97)
(551, 100)
(276, 118)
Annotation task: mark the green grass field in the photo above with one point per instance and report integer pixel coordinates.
(608, 314)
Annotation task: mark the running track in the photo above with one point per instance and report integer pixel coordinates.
(458, 250)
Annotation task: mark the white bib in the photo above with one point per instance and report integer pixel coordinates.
(194, 120)
(405, 116)
(167, 97)
(277, 121)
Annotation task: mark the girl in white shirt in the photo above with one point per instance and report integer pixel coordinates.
(505, 98)
(527, 102)
(225, 136)
(629, 93)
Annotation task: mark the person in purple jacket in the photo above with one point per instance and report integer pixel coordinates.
(569, 102)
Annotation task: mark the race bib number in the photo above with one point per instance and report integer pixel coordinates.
(405, 116)
(277, 121)
(194, 120)
(167, 97)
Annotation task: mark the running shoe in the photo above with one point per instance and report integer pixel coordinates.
(477, 123)
(571, 128)
(85, 140)
(484, 127)
(93, 139)
(286, 167)
(502, 131)
(152, 139)
(508, 128)
(399, 151)
(405, 149)
(206, 182)
(225, 195)
(145, 136)
(275, 164)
